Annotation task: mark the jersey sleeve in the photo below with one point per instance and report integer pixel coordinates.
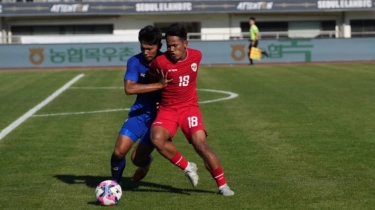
(131, 70)
(197, 55)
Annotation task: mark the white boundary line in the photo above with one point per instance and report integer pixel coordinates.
(96, 88)
(231, 95)
(32, 111)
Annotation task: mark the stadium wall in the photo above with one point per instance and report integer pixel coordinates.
(214, 53)
(213, 26)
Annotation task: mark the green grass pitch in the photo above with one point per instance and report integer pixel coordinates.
(296, 137)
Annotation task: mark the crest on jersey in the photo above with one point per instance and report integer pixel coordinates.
(194, 67)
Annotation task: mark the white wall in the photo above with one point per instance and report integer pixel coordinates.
(213, 26)
(303, 29)
(356, 15)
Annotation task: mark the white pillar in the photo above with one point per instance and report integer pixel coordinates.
(3, 30)
(2, 35)
(346, 28)
(337, 30)
(9, 35)
(338, 27)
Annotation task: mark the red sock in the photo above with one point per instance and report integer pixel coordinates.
(179, 161)
(218, 175)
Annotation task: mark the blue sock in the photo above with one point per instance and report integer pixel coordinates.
(117, 167)
(148, 161)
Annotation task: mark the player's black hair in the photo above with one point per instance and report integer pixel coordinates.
(252, 18)
(150, 35)
(176, 29)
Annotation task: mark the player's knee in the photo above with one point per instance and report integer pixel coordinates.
(158, 138)
(133, 157)
(136, 161)
(118, 153)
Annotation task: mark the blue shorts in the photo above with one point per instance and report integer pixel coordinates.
(138, 127)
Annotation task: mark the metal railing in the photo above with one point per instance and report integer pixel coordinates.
(93, 38)
(363, 34)
(263, 35)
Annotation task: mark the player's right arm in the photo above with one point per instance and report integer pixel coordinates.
(131, 77)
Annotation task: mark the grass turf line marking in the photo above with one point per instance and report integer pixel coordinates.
(32, 111)
(96, 88)
(73, 113)
(231, 96)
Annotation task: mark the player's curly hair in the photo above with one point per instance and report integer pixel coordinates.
(176, 29)
(150, 35)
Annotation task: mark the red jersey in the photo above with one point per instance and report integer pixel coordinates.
(182, 89)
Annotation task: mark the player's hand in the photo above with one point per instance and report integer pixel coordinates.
(163, 80)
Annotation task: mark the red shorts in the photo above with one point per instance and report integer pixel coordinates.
(189, 118)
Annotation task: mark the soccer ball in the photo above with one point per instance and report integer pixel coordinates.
(108, 193)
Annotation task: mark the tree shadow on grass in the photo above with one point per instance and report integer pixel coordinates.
(127, 184)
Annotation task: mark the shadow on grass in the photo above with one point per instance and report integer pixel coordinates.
(127, 184)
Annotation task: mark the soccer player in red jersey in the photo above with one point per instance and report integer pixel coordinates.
(179, 107)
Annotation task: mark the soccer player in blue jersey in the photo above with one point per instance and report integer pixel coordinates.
(143, 111)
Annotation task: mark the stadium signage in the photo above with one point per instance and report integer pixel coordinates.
(340, 4)
(65, 55)
(64, 8)
(254, 5)
(161, 7)
(186, 7)
(71, 55)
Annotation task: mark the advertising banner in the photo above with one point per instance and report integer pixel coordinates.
(214, 52)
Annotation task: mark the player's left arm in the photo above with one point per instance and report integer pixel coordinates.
(155, 72)
(257, 36)
(131, 85)
(256, 33)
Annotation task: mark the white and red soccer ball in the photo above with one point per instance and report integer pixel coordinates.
(108, 193)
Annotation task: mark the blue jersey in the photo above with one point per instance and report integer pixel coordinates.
(137, 71)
